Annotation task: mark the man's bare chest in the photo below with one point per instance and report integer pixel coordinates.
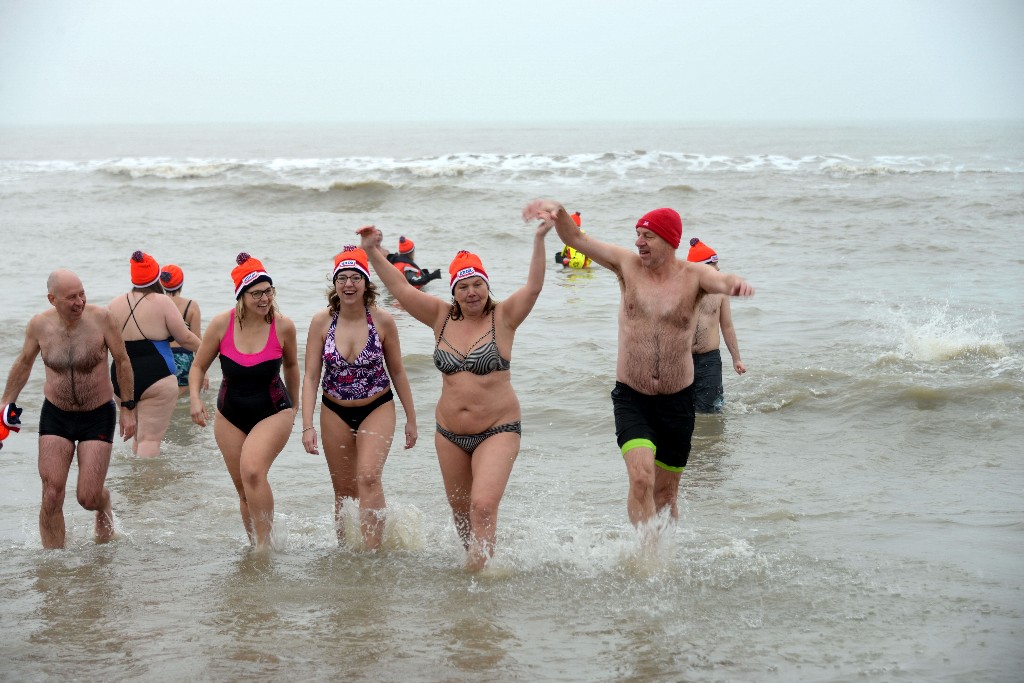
(77, 351)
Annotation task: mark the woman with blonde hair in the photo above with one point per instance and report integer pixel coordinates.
(255, 409)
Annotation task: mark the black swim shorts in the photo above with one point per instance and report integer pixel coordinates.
(709, 396)
(663, 423)
(89, 425)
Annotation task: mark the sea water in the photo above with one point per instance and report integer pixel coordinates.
(855, 513)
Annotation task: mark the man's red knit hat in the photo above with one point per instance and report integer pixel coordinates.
(665, 223)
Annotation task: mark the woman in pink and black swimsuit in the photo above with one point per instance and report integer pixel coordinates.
(255, 409)
(357, 419)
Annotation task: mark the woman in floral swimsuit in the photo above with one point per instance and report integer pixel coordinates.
(353, 353)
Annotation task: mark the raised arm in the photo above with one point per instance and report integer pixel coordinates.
(426, 308)
(549, 211)
(519, 304)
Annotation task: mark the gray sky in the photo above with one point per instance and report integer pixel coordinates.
(210, 61)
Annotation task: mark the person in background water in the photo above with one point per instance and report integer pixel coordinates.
(653, 395)
(714, 313)
(569, 257)
(78, 413)
(149, 321)
(478, 414)
(403, 260)
(358, 424)
(255, 409)
(171, 279)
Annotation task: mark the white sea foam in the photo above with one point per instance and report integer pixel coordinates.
(933, 331)
(566, 170)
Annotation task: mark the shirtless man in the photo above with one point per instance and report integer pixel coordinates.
(714, 315)
(653, 394)
(74, 339)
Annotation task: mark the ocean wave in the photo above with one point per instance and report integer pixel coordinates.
(498, 169)
(169, 169)
(851, 171)
(683, 189)
(330, 196)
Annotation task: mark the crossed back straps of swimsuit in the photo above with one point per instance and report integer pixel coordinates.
(131, 317)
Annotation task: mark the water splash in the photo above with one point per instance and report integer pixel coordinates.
(935, 332)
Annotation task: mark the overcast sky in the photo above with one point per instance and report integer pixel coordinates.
(213, 61)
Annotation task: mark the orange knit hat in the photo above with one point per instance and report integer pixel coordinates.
(701, 253)
(351, 258)
(145, 269)
(248, 272)
(405, 245)
(576, 218)
(466, 264)
(171, 277)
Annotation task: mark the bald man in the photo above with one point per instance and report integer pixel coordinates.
(78, 412)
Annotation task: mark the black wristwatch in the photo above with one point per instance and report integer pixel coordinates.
(129, 404)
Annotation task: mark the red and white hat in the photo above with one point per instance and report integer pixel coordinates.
(466, 264)
(700, 252)
(145, 270)
(405, 245)
(248, 272)
(171, 277)
(351, 258)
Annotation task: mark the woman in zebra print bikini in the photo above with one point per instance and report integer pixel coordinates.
(478, 414)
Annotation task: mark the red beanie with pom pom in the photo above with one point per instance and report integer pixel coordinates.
(701, 253)
(248, 272)
(145, 269)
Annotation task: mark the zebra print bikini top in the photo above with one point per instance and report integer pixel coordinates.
(482, 360)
